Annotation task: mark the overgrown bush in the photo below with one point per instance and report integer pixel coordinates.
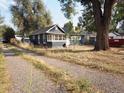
(8, 34)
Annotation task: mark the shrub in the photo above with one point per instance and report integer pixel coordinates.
(8, 34)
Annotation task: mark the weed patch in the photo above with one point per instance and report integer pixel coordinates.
(4, 80)
(60, 77)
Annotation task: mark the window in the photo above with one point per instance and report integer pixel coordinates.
(53, 37)
(49, 37)
(63, 37)
(60, 37)
(56, 37)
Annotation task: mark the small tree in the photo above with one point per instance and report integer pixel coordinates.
(8, 34)
(68, 27)
(2, 30)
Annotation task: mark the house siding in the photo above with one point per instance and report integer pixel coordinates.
(49, 44)
(56, 44)
(36, 39)
(41, 39)
(44, 40)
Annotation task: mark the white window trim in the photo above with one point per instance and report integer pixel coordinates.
(56, 40)
(38, 39)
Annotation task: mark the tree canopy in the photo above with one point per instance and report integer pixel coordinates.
(118, 15)
(69, 28)
(8, 34)
(1, 20)
(30, 15)
(86, 20)
(1, 26)
(101, 11)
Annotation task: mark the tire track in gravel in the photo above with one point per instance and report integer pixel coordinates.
(25, 78)
(107, 82)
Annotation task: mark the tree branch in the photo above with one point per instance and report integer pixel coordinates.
(97, 11)
(108, 11)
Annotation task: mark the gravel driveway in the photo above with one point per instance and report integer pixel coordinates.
(107, 82)
(25, 78)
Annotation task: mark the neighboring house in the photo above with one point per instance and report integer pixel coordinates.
(82, 38)
(116, 39)
(76, 39)
(52, 36)
(90, 38)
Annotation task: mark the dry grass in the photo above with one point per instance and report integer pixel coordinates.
(25, 45)
(61, 77)
(4, 80)
(109, 61)
(1, 46)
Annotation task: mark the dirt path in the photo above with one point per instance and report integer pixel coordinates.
(107, 82)
(25, 78)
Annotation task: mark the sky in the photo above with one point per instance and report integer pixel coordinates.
(52, 5)
(5, 11)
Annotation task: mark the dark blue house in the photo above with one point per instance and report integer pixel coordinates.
(52, 36)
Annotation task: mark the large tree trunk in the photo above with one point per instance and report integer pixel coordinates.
(102, 38)
(102, 20)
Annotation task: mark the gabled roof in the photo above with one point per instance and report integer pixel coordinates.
(46, 30)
